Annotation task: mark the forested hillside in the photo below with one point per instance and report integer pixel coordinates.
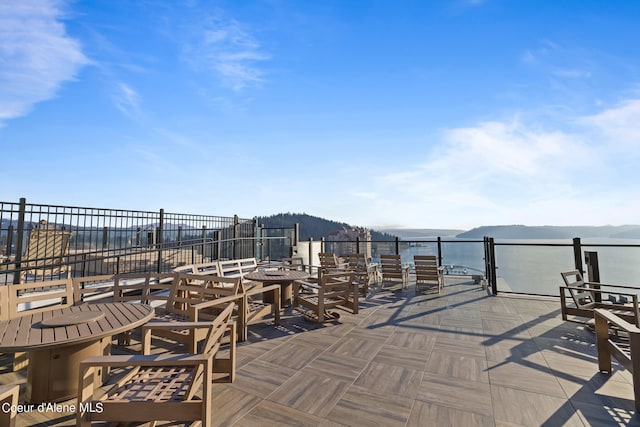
(313, 226)
(552, 232)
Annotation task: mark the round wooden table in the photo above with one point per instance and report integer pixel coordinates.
(284, 278)
(57, 340)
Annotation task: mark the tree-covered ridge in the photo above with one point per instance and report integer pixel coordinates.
(552, 232)
(314, 227)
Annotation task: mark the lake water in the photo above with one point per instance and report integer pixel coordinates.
(536, 269)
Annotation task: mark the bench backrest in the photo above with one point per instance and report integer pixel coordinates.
(237, 267)
(35, 297)
(146, 288)
(573, 279)
(93, 289)
(190, 289)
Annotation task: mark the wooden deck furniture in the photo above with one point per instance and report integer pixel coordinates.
(197, 298)
(30, 298)
(93, 288)
(316, 297)
(329, 262)
(46, 254)
(366, 272)
(8, 396)
(428, 273)
(624, 350)
(211, 267)
(393, 271)
(238, 268)
(57, 339)
(293, 263)
(580, 298)
(154, 388)
(278, 281)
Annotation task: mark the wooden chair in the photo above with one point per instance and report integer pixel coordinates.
(93, 289)
(238, 268)
(315, 297)
(154, 388)
(293, 263)
(8, 397)
(197, 298)
(580, 298)
(201, 295)
(428, 273)
(366, 272)
(329, 262)
(393, 271)
(627, 352)
(33, 297)
(46, 253)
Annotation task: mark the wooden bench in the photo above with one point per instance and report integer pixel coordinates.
(200, 268)
(93, 289)
(155, 387)
(33, 297)
(8, 397)
(625, 351)
(580, 298)
(315, 297)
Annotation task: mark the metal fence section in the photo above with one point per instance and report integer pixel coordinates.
(108, 241)
(519, 267)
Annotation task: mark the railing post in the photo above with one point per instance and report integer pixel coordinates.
(593, 272)
(159, 233)
(310, 254)
(19, 240)
(236, 221)
(358, 244)
(219, 244)
(322, 244)
(397, 246)
(492, 266)
(105, 238)
(439, 251)
(577, 254)
(260, 242)
(9, 239)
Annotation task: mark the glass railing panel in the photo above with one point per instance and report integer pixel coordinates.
(532, 269)
(617, 264)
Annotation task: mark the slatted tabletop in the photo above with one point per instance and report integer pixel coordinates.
(28, 333)
(277, 276)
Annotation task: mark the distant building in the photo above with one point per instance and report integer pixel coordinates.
(349, 238)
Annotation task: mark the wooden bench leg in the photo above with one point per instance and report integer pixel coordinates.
(8, 395)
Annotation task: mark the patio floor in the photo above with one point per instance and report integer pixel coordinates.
(463, 358)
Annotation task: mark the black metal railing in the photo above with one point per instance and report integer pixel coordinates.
(521, 267)
(105, 241)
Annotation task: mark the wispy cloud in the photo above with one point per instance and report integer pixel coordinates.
(36, 55)
(619, 126)
(127, 100)
(521, 171)
(229, 50)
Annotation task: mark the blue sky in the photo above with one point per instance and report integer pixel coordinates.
(432, 114)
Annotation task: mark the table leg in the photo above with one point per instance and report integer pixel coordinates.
(53, 373)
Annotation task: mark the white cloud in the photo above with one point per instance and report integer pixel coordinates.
(229, 50)
(518, 172)
(36, 55)
(127, 100)
(620, 125)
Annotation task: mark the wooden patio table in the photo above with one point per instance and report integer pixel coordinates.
(284, 278)
(57, 340)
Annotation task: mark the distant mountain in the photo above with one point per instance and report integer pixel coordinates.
(552, 232)
(313, 226)
(421, 233)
